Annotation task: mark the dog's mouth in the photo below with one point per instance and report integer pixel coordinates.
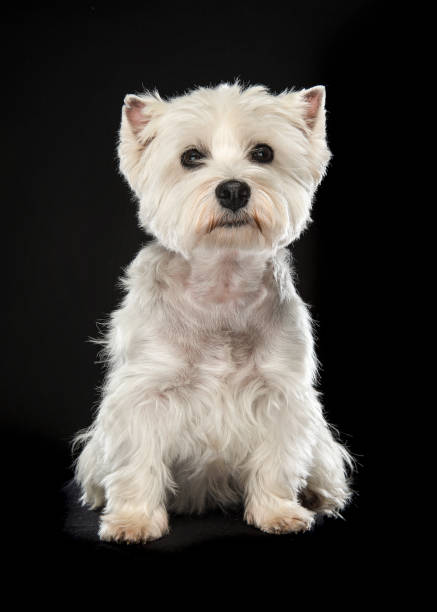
(232, 223)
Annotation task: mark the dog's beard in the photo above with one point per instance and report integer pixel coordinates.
(199, 220)
(247, 228)
(233, 220)
(259, 214)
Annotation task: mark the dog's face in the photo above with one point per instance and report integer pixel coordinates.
(225, 166)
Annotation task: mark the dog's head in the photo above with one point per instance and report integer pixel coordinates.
(225, 166)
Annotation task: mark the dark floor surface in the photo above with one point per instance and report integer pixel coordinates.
(211, 534)
(186, 532)
(54, 540)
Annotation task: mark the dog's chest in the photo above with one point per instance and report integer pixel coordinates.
(225, 351)
(218, 311)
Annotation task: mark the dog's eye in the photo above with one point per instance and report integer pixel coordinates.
(191, 158)
(262, 153)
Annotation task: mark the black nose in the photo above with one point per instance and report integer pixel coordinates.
(233, 194)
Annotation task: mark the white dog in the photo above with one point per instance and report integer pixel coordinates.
(209, 397)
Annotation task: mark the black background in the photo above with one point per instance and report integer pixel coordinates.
(69, 227)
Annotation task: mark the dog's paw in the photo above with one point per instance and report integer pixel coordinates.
(94, 497)
(288, 518)
(134, 528)
(324, 502)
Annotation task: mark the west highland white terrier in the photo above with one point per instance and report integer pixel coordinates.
(210, 396)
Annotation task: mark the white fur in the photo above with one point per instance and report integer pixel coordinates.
(209, 397)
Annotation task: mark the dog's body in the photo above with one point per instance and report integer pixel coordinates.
(210, 398)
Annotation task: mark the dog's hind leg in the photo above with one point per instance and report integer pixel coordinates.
(86, 470)
(327, 490)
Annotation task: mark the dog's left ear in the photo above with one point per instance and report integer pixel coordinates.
(306, 109)
(314, 106)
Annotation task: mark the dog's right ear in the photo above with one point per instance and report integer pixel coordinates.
(139, 116)
(139, 121)
(140, 110)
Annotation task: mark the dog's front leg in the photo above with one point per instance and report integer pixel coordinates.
(136, 437)
(277, 468)
(271, 500)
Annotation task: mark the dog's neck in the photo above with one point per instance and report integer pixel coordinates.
(226, 275)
